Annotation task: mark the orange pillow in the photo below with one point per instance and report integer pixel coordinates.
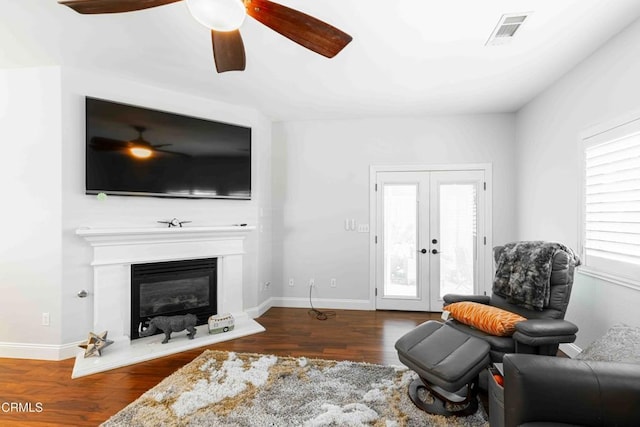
(486, 318)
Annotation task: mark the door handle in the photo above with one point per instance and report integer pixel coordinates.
(434, 251)
(424, 251)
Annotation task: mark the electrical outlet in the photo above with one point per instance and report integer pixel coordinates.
(291, 282)
(312, 283)
(333, 283)
(45, 319)
(363, 228)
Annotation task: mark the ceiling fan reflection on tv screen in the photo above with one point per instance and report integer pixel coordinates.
(136, 151)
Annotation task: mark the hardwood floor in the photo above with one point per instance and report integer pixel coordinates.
(48, 396)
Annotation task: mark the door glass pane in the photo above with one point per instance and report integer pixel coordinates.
(400, 238)
(458, 234)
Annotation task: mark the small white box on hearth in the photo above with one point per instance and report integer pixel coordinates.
(219, 323)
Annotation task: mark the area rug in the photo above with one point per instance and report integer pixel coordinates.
(240, 389)
(621, 343)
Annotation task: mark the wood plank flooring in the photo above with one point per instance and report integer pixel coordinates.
(367, 336)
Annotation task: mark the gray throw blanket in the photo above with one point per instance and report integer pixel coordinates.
(523, 273)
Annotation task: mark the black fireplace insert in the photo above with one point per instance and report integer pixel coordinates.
(172, 288)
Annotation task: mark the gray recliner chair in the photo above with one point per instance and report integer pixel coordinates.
(534, 280)
(544, 330)
(556, 391)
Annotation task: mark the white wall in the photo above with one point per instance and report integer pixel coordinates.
(31, 213)
(44, 264)
(603, 87)
(321, 177)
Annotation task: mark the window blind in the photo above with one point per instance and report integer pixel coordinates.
(612, 205)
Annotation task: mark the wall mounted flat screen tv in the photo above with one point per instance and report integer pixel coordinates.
(134, 151)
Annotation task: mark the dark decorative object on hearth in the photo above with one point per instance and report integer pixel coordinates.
(169, 324)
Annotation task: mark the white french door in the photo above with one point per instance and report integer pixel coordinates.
(429, 237)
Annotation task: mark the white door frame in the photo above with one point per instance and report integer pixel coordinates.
(485, 282)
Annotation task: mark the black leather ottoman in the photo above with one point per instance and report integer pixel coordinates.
(448, 362)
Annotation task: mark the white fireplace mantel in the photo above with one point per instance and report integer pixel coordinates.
(116, 249)
(102, 234)
(154, 244)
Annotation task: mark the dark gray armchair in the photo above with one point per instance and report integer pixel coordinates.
(544, 329)
(545, 391)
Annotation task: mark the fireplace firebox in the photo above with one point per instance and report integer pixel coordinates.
(172, 288)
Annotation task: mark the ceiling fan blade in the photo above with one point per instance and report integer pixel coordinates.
(299, 27)
(100, 143)
(172, 153)
(112, 6)
(228, 50)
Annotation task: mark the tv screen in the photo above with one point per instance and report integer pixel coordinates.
(134, 151)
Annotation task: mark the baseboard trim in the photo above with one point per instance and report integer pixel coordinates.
(15, 350)
(337, 304)
(570, 350)
(255, 312)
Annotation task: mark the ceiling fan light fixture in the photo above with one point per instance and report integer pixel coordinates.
(218, 15)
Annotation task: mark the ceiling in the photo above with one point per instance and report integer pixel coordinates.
(407, 57)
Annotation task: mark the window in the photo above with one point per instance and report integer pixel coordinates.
(611, 201)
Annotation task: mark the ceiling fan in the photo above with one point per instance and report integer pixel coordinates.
(139, 147)
(224, 17)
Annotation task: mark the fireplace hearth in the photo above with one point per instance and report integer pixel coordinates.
(117, 250)
(172, 288)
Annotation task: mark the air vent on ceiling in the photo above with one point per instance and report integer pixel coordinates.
(507, 28)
